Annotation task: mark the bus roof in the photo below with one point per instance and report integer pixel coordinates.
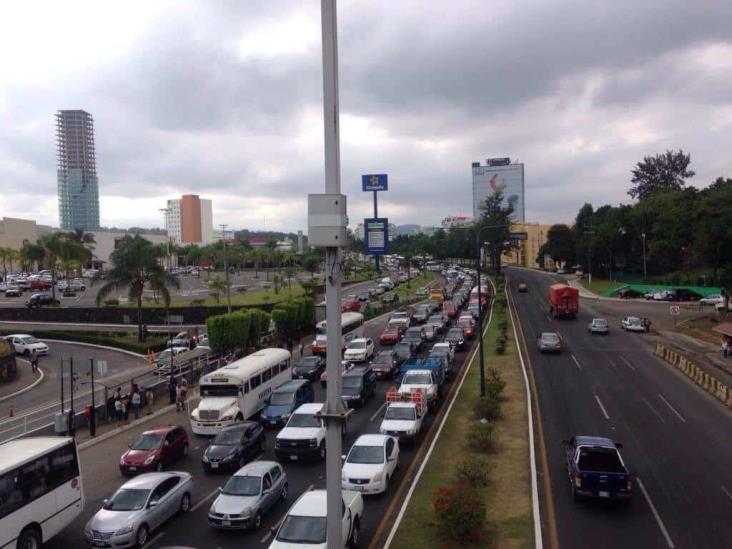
(249, 365)
(346, 319)
(16, 452)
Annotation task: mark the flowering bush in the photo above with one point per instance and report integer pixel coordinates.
(460, 511)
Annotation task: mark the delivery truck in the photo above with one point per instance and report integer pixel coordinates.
(563, 301)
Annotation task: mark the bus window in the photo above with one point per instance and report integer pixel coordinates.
(255, 381)
(246, 387)
(33, 478)
(11, 496)
(63, 466)
(284, 366)
(266, 375)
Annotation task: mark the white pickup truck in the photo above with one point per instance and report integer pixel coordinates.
(304, 524)
(303, 436)
(404, 415)
(423, 380)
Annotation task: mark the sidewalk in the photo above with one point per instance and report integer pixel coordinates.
(25, 378)
(705, 355)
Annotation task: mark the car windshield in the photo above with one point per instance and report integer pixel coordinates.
(281, 399)
(307, 362)
(366, 454)
(549, 338)
(147, 442)
(357, 345)
(242, 485)
(605, 460)
(397, 412)
(416, 379)
(399, 316)
(633, 320)
(465, 322)
(391, 329)
(227, 438)
(304, 420)
(413, 333)
(127, 499)
(601, 322)
(440, 351)
(402, 348)
(29, 340)
(295, 529)
(453, 333)
(436, 318)
(382, 358)
(352, 382)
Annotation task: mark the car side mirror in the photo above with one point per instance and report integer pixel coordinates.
(152, 504)
(273, 530)
(105, 501)
(220, 489)
(343, 457)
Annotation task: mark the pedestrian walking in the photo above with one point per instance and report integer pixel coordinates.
(119, 409)
(172, 389)
(182, 394)
(111, 412)
(206, 366)
(302, 348)
(725, 347)
(149, 397)
(136, 401)
(34, 361)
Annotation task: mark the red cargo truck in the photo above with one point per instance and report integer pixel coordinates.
(563, 301)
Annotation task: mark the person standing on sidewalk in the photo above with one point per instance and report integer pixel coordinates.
(119, 409)
(136, 400)
(172, 389)
(149, 397)
(182, 394)
(34, 361)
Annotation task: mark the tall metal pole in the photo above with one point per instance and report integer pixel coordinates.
(334, 412)
(645, 273)
(377, 257)
(71, 381)
(93, 411)
(480, 313)
(63, 408)
(226, 268)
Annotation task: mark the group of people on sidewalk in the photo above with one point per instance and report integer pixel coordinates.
(119, 406)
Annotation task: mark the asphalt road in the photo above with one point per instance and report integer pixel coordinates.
(676, 438)
(100, 466)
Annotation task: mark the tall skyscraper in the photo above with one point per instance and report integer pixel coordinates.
(189, 220)
(78, 186)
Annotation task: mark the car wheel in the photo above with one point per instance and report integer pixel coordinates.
(185, 503)
(355, 534)
(322, 451)
(30, 538)
(283, 494)
(257, 521)
(185, 450)
(159, 466)
(142, 535)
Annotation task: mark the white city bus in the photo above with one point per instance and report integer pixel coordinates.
(238, 390)
(351, 328)
(40, 490)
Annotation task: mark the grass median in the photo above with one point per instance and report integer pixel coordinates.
(508, 514)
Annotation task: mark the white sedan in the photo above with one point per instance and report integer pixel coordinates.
(711, 300)
(370, 464)
(24, 344)
(632, 324)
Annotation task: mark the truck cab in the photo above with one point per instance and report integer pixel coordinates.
(596, 469)
(303, 436)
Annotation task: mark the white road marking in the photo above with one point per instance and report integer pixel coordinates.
(654, 410)
(155, 538)
(204, 500)
(377, 412)
(672, 408)
(276, 525)
(599, 403)
(628, 364)
(577, 362)
(726, 492)
(655, 514)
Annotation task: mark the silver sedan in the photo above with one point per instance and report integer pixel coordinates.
(139, 506)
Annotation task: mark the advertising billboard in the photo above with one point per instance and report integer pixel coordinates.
(375, 182)
(376, 235)
(508, 179)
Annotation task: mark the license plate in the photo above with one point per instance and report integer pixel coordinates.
(358, 488)
(273, 422)
(294, 457)
(214, 466)
(133, 468)
(604, 494)
(225, 523)
(98, 544)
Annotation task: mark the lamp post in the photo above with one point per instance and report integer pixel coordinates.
(226, 268)
(166, 211)
(645, 273)
(480, 305)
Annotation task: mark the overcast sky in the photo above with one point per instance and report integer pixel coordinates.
(224, 99)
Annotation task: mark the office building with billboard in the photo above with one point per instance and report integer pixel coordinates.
(499, 175)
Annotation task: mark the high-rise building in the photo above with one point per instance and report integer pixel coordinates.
(78, 186)
(189, 220)
(499, 175)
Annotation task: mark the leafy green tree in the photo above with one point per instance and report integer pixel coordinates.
(498, 236)
(667, 171)
(135, 265)
(218, 285)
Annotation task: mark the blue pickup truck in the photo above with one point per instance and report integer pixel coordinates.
(436, 364)
(596, 469)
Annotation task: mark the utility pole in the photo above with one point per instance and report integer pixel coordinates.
(93, 411)
(645, 272)
(166, 211)
(226, 268)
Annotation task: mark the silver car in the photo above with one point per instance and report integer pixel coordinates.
(138, 507)
(250, 493)
(549, 342)
(598, 326)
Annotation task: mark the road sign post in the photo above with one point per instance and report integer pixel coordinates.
(674, 311)
(375, 183)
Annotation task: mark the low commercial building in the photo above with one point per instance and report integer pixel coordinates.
(527, 250)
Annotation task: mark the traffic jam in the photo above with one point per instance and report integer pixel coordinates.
(255, 446)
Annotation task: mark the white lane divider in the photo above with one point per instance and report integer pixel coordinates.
(577, 362)
(627, 363)
(660, 523)
(599, 403)
(674, 410)
(726, 492)
(654, 410)
(204, 500)
(372, 418)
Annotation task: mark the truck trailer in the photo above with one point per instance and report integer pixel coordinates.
(563, 301)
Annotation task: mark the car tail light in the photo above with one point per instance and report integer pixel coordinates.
(578, 480)
(629, 483)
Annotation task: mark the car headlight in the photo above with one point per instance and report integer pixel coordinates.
(126, 530)
(377, 477)
(212, 509)
(122, 460)
(313, 442)
(204, 458)
(227, 418)
(150, 459)
(343, 476)
(286, 415)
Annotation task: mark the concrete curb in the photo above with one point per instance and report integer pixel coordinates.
(105, 347)
(25, 389)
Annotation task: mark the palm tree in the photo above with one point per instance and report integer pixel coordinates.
(136, 264)
(30, 254)
(218, 285)
(54, 248)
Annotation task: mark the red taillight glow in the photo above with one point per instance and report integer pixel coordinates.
(578, 480)
(629, 483)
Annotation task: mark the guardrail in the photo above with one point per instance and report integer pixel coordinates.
(721, 391)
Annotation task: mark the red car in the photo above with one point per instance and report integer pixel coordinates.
(351, 305)
(390, 335)
(468, 326)
(40, 285)
(154, 449)
(448, 307)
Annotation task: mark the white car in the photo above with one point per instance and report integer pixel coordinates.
(632, 324)
(423, 380)
(400, 318)
(179, 340)
(303, 436)
(711, 299)
(370, 464)
(403, 419)
(24, 344)
(444, 348)
(78, 285)
(598, 326)
(359, 350)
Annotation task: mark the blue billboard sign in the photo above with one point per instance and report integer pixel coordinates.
(376, 235)
(375, 182)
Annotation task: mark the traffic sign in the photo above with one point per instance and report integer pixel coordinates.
(376, 234)
(675, 310)
(374, 182)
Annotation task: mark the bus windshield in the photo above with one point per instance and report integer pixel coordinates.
(219, 390)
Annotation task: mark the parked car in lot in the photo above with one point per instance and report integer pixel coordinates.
(596, 469)
(138, 507)
(682, 294)
(632, 324)
(303, 436)
(24, 344)
(77, 285)
(456, 338)
(629, 293)
(309, 367)
(40, 284)
(359, 350)
(154, 449)
(39, 300)
(370, 464)
(284, 400)
(358, 385)
(385, 364)
(598, 326)
(13, 290)
(549, 342)
(234, 446)
(304, 524)
(250, 493)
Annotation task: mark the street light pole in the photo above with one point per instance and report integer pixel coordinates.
(166, 211)
(645, 273)
(226, 268)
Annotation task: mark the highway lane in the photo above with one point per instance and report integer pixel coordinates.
(193, 530)
(676, 438)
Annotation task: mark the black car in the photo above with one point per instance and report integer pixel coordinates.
(456, 337)
(358, 385)
(404, 351)
(385, 364)
(523, 288)
(309, 367)
(234, 446)
(37, 300)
